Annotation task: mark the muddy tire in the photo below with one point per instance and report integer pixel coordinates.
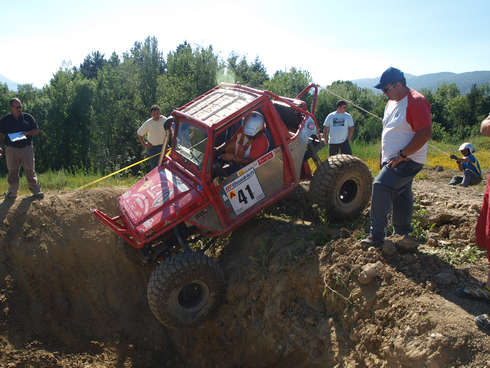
(342, 186)
(185, 289)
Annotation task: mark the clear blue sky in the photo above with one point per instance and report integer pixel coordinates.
(333, 40)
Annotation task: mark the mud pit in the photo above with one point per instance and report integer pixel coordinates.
(71, 298)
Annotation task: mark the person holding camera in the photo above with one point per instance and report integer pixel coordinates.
(469, 165)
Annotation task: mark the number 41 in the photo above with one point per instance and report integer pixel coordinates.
(242, 198)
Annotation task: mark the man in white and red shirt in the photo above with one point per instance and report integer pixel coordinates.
(407, 128)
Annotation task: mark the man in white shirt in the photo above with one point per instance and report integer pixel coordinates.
(151, 134)
(338, 127)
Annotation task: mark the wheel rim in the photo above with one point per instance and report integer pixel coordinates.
(348, 191)
(193, 295)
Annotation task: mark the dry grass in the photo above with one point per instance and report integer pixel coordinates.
(438, 154)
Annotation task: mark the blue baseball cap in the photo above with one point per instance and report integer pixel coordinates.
(390, 75)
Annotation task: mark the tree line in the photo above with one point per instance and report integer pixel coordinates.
(89, 114)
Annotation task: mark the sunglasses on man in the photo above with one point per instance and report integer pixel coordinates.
(386, 90)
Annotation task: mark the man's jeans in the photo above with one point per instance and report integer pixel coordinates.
(470, 178)
(344, 147)
(392, 188)
(16, 157)
(152, 151)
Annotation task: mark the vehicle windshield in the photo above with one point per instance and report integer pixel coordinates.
(191, 142)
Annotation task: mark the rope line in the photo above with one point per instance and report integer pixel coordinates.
(353, 104)
(376, 116)
(116, 172)
(326, 89)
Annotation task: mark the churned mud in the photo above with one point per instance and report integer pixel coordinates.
(301, 292)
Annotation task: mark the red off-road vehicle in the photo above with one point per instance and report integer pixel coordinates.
(184, 196)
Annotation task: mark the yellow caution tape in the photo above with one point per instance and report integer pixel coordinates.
(322, 155)
(118, 171)
(312, 165)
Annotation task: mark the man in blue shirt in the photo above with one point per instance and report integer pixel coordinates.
(469, 165)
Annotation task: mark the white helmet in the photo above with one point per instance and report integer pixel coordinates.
(467, 145)
(254, 123)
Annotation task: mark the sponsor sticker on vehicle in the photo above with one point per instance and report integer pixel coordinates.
(244, 192)
(308, 129)
(257, 163)
(148, 224)
(162, 197)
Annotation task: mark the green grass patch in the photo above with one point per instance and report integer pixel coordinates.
(368, 152)
(63, 180)
(454, 254)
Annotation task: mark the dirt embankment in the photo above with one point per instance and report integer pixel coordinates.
(296, 292)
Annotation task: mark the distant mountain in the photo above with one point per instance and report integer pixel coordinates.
(464, 81)
(10, 84)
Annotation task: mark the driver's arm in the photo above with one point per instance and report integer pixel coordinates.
(241, 160)
(259, 147)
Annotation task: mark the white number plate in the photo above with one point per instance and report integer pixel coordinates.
(244, 191)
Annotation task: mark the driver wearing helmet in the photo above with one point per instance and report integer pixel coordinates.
(469, 165)
(247, 144)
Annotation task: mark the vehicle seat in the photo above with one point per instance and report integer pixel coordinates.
(291, 117)
(268, 135)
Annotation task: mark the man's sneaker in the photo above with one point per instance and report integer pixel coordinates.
(407, 243)
(10, 196)
(39, 195)
(371, 242)
(483, 322)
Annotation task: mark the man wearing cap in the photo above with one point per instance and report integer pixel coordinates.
(407, 128)
(469, 165)
(338, 129)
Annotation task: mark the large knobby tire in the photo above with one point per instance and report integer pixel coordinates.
(342, 186)
(184, 289)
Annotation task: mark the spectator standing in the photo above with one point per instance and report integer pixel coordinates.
(338, 128)
(16, 131)
(151, 134)
(407, 128)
